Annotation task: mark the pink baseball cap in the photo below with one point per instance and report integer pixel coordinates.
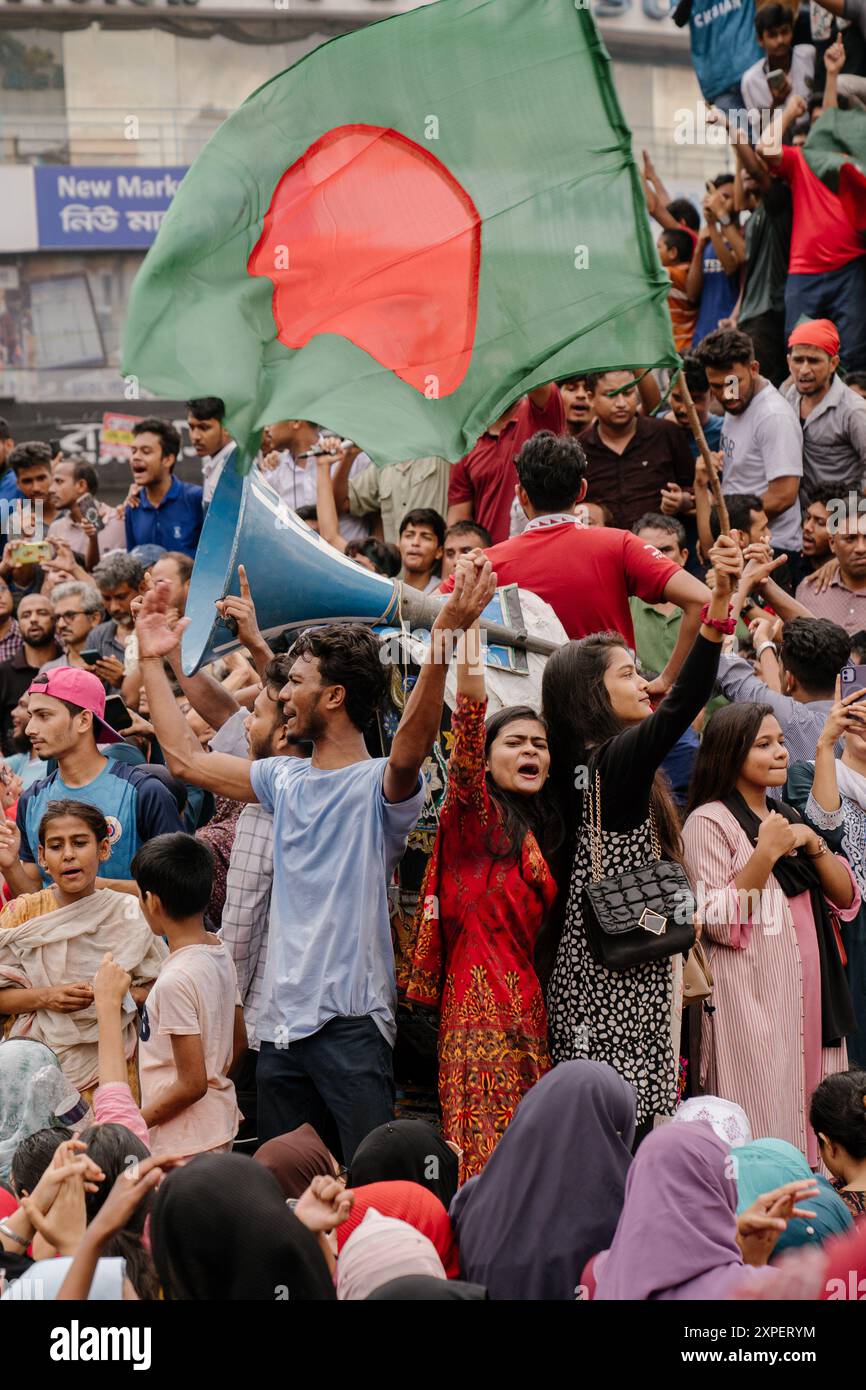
(80, 688)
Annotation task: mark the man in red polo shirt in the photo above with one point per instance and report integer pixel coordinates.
(587, 573)
(482, 484)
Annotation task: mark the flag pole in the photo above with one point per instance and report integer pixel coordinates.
(701, 440)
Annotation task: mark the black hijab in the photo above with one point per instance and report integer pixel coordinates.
(423, 1288)
(221, 1229)
(795, 874)
(410, 1150)
(552, 1191)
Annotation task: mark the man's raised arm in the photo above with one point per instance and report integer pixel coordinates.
(216, 772)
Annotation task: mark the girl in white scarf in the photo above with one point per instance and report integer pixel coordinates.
(52, 943)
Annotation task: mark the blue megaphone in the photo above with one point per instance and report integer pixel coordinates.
(295, 577)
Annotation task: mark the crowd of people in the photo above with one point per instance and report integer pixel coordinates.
(323, 970)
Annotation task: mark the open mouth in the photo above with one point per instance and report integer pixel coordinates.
(528, 769)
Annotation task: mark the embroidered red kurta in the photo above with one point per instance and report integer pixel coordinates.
(473, 957)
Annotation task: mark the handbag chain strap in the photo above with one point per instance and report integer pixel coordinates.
(593, 821)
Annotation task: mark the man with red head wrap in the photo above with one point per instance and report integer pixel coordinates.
(832, 416)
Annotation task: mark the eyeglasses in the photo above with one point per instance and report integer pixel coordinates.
(73, 613)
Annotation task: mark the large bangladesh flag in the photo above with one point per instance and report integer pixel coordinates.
(405, 231)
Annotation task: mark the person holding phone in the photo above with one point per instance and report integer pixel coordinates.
(74, 486)
(830, 794)
(786, 69)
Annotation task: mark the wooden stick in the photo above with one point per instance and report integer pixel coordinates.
(700, 437)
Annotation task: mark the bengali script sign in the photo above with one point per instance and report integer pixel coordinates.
(99, 208)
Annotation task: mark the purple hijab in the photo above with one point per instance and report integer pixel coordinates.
(551, 1193)
(677, 1236)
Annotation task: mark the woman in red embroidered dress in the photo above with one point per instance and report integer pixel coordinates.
(485, 896)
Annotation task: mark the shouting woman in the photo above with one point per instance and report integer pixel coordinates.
(487, 891)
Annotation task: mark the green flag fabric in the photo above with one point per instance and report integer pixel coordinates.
(835, 151)
(407, 230)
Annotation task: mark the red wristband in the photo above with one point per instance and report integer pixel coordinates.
(726, 625)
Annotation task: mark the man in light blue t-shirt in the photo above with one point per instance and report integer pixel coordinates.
(326, 1024)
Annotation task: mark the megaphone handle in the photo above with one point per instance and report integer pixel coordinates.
(232, 624)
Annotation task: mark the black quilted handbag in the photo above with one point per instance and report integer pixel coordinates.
(637, 916)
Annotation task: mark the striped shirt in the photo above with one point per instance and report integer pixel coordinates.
(841, 605)
(247, 907)
(11, 644)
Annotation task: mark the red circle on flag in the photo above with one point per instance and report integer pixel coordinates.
(368, 235)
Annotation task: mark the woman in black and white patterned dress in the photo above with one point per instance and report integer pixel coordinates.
(599, 716)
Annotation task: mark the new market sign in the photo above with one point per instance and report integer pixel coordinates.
(102, 208)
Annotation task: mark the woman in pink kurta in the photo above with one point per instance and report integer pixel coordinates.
(781, 1008)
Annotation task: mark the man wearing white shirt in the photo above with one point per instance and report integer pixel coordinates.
(289, 467)
(762, 443)
(213, 444)
(774, 26)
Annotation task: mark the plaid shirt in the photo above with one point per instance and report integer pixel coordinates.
(12, 644)
(247, 907)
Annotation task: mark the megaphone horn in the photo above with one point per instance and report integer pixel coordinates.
(295, 577)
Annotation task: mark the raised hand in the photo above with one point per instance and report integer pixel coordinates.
(726, 558)
(111, 983)
(325, 1204)
(761, 1224)
(128, 1192)
(845, 716)
(10, 844)
(242, 609)
(834, 57)
(474, 587)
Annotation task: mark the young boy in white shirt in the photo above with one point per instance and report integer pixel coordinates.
(192, 1027)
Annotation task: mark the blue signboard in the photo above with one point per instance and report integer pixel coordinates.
(102, 208)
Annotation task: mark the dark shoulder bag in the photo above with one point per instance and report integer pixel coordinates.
(635, 917)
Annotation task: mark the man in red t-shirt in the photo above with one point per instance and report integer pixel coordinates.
(482, 484)
(587, 573)
(827, 266)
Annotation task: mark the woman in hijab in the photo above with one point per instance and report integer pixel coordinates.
(296, 1158)
(34, 1094)
(409, 1202)
(552, 1193)
(768, 886)
(382, 1248)
(728, 1120)
(768, 1163)
(407, 1149)
(221, 1229)
(679, 1236)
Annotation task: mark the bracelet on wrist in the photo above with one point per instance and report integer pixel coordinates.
(726, 625)
(766, 646)
(13, 1235)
